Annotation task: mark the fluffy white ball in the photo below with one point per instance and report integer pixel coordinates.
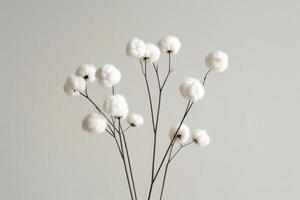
(169, 44)
(217, 61)
(116, 106)
(191, 89)
(136, 48)
(183, 133)
(94, 123)
(135, 120)
(108, 75)
(74, 85)
(87, 72)
(201, 138)
(152, 52)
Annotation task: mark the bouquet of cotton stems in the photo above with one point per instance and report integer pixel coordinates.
(111, 116)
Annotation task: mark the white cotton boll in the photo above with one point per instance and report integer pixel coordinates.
(135, 120)
(87, 72)
(152, 52)
(116, 106)
(217, 61)
(191, 89)
(108, 75)
(94, 123)
(201, 138)
(136, 48)
(169, 44)
(74, 85)
(183, 133)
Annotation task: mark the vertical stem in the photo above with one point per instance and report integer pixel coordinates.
(124, 162)
(149, 95)
(165, 173)
(157, 120)
(113, 90)
(169, 60)
(153, 124)
(128, 160)
(189, 106)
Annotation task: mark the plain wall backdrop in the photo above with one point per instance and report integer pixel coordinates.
(251, 111)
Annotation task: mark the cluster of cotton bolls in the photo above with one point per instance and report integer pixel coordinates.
(114, 106)
(138, 49)
(191, 88)
(107, 118)
(183, 135)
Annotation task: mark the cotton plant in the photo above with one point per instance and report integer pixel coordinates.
(115, 118)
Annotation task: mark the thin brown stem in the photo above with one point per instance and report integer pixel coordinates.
(170, 158)
(110, 133)
(127, 128)
(169, 72)
(98, 109)
(165, 80)
(113, 90)
(204, 79)
(153, 122)
(142, 67)
(128, 160)
(180, 148)
(169, 60)
(189, 106)
(161, 87)
(168, 163)
(165, 172)
(124, 162)
(157, 75)
(149, 94)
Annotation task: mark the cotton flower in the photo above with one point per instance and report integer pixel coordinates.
(191, 89)
(217, 61)
(169, 44)
(74, 85)
(201, 138)
(108, 75)
(136, 48)
(152, 52)
(135, 120)
(182, 135)
(87, 72)
(94, 123)
(116, 106)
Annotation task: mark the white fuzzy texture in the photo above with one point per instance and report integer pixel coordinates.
(87, 72)
(169, 44)
(134, 119)
(94, 123)
(152, 53)
(108, 75)
(182, 135)
(201, 138)
(217, 61)
(74, 85)
(191, 89)
(136, 48)
(116, 106)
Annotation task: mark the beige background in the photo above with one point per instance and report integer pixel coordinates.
(251, 111)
